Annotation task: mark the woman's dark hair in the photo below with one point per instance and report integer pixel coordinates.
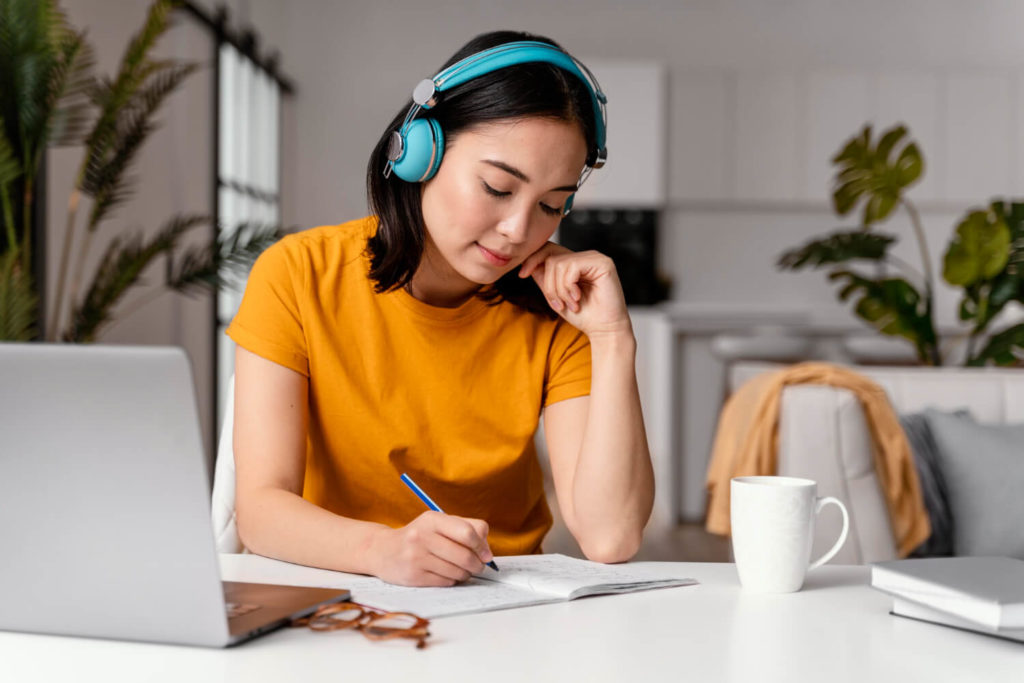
(515, 92)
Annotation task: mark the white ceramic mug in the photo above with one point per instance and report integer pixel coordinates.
(772, 530)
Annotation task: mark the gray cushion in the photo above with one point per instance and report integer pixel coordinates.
(933, 486)
(983, 468)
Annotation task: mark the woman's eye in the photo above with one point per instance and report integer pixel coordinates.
(496, 193)
(550, 210)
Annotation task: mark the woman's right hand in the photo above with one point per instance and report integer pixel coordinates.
(434, 549)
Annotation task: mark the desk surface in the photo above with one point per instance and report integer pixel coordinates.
(835, 629)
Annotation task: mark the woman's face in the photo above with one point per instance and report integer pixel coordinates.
(496, 199)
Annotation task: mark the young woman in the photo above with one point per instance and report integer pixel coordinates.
(430, 337)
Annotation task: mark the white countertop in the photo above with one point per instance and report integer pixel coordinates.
(836, 629)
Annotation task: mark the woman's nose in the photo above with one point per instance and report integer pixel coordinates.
(515, 226)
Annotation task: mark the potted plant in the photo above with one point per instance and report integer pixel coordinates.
(984, 258)
(49, 96)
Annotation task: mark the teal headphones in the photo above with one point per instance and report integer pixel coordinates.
(415, 149)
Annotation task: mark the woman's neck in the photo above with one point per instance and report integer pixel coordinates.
(436, 283)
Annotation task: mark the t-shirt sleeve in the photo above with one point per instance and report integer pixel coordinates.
(269, 321)
(568, 365)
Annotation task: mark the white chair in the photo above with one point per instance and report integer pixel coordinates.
(222, 512)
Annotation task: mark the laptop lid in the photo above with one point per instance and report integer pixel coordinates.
(104, 497)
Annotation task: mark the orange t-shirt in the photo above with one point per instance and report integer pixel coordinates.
(450, 395)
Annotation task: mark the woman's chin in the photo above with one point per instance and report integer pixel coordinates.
(484, 276)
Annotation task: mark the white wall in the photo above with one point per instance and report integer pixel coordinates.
(761, 93)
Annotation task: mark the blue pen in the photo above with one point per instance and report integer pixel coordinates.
(431, 504)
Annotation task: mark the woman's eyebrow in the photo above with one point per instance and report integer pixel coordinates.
(512, 170)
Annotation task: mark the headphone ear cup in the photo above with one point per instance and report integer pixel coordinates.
(422, 147)
(567, 207)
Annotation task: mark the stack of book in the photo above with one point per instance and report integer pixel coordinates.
(983, 594)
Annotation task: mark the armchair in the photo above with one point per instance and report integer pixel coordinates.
(823, 436)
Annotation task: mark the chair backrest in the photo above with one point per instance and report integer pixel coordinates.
(823, 435)
(993, 395)
(225, 526)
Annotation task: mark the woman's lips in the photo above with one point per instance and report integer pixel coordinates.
(492, 257)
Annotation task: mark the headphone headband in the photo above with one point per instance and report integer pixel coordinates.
(415, 150)
(510, 54)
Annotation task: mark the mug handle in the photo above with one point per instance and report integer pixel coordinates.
(822, 502)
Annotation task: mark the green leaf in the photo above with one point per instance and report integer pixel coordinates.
(45, 67)
(893, 307)
(866, 172)
(123, 120)
(889, 140)
(208, 267)
(1005, 348)
(10, 168)
(70, 85)
(979, 250)
(18, 300)
(878, 207)
(909, 165)
(838, 247)
(106, 178)
(120, 268)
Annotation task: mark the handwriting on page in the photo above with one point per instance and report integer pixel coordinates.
(560, 574)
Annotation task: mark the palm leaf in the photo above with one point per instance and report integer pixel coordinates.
(25, 52)
(45, 67)
(70, 84)
(10, 169)
(115, 94)
(121, 267)
(18, 300)
(105, 176)
(208, 267)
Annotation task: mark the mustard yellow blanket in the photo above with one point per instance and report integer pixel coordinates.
(746, 444)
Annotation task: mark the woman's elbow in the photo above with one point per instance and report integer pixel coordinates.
(612, 549)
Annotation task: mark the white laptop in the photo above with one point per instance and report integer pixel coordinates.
(105, 504)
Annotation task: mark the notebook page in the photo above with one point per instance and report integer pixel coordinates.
(568, 577)
(474, 595)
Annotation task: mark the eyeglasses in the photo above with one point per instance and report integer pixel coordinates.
(374, 624)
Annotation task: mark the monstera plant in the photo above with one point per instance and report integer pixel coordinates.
(984, 258)
(49, 96)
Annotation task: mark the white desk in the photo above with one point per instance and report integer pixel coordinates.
(836, 629)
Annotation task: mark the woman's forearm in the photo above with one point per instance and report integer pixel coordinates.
(283, 525)
(613, 485)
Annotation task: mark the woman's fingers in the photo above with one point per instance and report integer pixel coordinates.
(453, 560)
(568, 284)
(561, 283)
(457, 546)
(536, 259)
(549, 285)
(565, 276)
(467, 542)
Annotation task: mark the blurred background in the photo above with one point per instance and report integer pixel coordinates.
(724, 116)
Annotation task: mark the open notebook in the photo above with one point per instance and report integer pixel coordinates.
(523, 580)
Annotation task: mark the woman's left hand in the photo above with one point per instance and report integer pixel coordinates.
(582, 287)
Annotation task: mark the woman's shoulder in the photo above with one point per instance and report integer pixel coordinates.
(324, 249)
(344, 241)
